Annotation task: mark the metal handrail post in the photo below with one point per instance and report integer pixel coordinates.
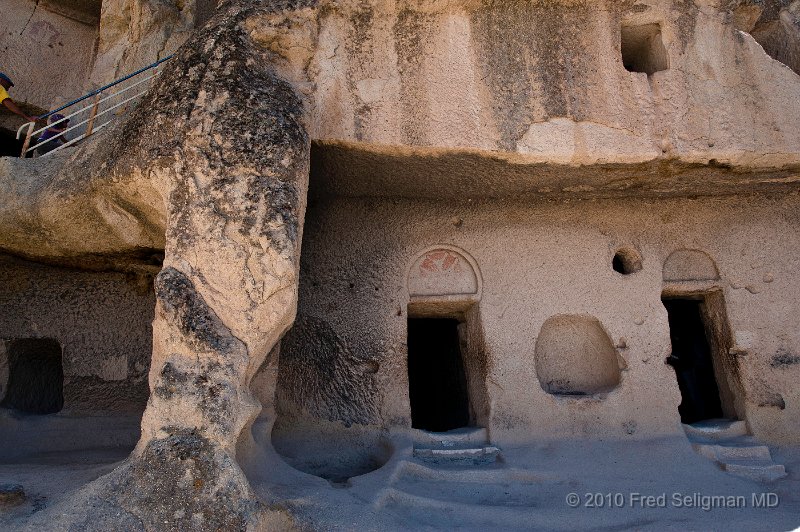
(92, 115)
(27, 139)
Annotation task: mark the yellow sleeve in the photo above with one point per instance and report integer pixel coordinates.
(3, 94)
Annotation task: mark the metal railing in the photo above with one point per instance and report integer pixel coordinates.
(107, 102)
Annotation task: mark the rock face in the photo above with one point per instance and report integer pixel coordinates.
(219, 308)
(545, 80)
(47, 51)
(100, 323)
(450, 142)
(776, 27)
(135, 33)
(321, 378)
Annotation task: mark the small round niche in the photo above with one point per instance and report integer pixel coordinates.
(626, 261)
(575, 356)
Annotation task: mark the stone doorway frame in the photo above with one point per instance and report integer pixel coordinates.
(464, 307)
(713, 312)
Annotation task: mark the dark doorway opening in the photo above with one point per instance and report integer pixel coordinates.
(692, 360)
(10, 146)
(436, 377)
(35, 376)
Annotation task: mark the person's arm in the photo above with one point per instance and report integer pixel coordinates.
(8, 102)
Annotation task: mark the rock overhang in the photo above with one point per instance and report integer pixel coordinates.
(364, 170)
(543, 80)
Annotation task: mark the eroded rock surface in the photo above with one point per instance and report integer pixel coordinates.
(227, 291)
(321, 378)
(205, 182)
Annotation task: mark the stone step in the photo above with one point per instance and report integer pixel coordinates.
(716, 429)
(491, 473)
(475, 455)
(725, 453)
(467, 437)
(460, 514)
(757, 470)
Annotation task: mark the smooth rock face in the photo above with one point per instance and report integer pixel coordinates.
(46, 52)
(473, 160)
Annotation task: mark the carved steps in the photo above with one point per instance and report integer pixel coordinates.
(466, 445)
(487, 495)
(729, 444)
(716, 429)
(758, 470)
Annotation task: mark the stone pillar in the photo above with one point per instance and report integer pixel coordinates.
(221, 139)
(228, 289)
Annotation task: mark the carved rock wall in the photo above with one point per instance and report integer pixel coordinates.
(544, 80)
(136, 33)
(47, 54)
(227, 290)
(101, 321)
(539, 261)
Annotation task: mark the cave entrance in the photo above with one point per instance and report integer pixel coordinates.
(10, 146)
(705, 370)
(436, 377)
(35, 376)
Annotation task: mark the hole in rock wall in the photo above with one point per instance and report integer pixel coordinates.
(691, 358)
(9, 145)
(436, 377)
(83, 11)
(626, 261)
(643, 49)
(76, 344)
(35, 382)
(447, 356)
(575, 356)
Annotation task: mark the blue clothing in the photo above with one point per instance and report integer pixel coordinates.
(54, 143)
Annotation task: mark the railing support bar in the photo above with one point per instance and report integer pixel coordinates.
(27, 139)
(92, 115)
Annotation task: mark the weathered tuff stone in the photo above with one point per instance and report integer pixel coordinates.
(134, 33)
(212, 168)
(184, 481)
(227, 291)
(492, 99)
(321, 378)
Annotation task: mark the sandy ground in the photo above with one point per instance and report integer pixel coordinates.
(51, 478)
(642, 485)
(529, 488)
